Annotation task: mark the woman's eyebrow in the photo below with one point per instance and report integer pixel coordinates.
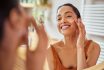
(64, 13)
(58, 15)
(67, 12)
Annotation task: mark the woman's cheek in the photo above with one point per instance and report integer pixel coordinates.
(70, 20)
(74, 25)
(58, 26)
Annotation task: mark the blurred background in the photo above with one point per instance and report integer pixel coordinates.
(92, 13)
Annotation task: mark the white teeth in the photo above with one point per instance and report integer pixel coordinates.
(64, 27)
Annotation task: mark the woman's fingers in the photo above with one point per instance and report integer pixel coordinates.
(82, 33)
(35, 25)
(81, 27)
(42, 36)
(39, 29)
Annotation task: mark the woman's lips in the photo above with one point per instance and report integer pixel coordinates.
(65, 27)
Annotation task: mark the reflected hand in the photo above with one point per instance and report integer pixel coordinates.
(36, 58)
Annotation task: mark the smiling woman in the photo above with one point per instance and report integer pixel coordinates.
(75, 51)
(69, 16)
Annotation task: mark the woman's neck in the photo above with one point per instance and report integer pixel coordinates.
(70, 41)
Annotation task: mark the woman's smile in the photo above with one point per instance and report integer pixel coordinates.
(65, 26)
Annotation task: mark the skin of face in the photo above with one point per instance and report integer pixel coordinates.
(66, 18)
(24, 20)
(18, 21)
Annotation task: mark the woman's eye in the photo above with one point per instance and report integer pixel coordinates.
(68, 16)
(59, 19)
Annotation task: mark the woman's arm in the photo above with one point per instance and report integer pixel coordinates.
(93, 54)
(8, 54)
(81, 60)
(93, 51)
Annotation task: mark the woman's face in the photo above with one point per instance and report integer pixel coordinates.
(66, 20)
(18, 17)
(17, 22)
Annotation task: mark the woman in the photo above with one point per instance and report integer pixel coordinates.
(14, 31)
(74, 52)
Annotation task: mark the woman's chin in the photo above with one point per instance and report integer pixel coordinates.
(66, 33)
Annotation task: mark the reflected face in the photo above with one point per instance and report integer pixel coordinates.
(66, 20)
(25, 20)
(24, 16)
(19, 17)
(18, 21)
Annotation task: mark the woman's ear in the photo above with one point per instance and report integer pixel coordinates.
(13, 17)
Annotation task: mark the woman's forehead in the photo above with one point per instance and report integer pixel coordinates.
(65, 9)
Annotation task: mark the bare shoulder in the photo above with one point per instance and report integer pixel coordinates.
(56, 43)
(50, 51)
(50, 54)
(95, 47)
(93, 53)
(52, 43)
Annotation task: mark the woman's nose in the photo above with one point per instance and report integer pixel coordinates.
(63, 20)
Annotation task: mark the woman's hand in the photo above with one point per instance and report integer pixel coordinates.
(36, 58)
(82, 34)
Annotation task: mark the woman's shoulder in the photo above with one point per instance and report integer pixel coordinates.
(54, 46)
(56, 43)
(52, 52)
(92, 46)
